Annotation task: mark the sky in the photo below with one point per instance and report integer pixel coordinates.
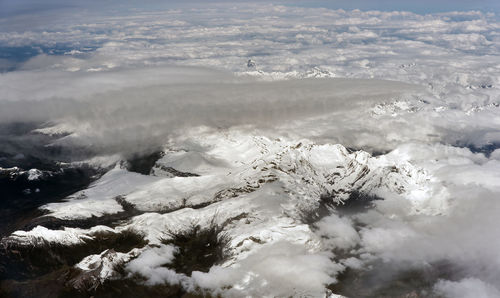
(14, 7)
(422, 6)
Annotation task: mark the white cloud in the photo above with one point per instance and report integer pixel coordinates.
(468, 287)
(149, 265)
(280, 269)
(339, 232)
(465, 237)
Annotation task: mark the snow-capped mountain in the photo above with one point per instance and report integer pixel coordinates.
(266, 195)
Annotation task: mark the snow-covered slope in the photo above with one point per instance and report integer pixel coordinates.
(266, 194)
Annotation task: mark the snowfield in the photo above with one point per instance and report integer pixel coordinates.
(260, 190)
(276, 200)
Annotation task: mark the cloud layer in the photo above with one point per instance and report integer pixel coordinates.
(450, 55)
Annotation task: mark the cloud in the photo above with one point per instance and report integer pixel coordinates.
(149, 265)
(466, 288)
(451, 55)
(339, 232)
(279, 269)
(465, 237)
(141, 108)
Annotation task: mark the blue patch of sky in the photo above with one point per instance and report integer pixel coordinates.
(12, 7)
(17, 55)
(421, 6)
(23, 53)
